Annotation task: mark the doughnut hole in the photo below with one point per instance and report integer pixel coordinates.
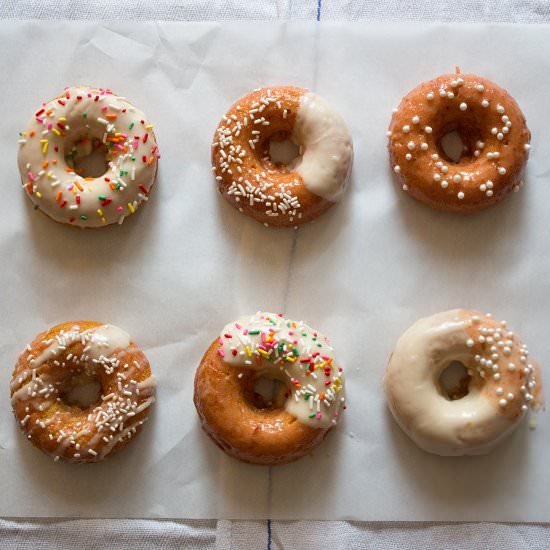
(283, 150)
(86, 153)
(82, 391)
(457, 142)
(454, 381)
(265, 392)
(280, 152)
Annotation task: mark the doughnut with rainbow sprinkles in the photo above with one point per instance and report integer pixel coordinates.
(74, 354)
(494, 136)
(275, 193)
(291, 424)
(500, 386)
(70, 127)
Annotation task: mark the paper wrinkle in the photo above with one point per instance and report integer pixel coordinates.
(189, 263)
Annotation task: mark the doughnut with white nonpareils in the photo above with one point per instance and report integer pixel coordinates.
(494, 135)
(266, 345)
(70, 127)
(275, 193)
(73, 354)
(500, 386)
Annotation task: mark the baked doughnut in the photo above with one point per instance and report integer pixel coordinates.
(500, 387)
(239, 420)
(72, 354)
(70, 127)
(275, 193)
(494, 135)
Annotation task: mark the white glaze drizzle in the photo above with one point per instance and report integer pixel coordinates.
(294, 353)
(109, 421)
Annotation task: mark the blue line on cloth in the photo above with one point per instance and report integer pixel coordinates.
(319, 2)
(269, 537)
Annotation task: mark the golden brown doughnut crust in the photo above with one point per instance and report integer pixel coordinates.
(492, 128)
(67, 432)
(269, 183)
(257, 436)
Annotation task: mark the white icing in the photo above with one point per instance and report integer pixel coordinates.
(68, 197)
(285, 350)
(113, 418)
(325, 165)
(468, 426)
(100, 342)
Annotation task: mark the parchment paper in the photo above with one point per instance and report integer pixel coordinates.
(173, 275)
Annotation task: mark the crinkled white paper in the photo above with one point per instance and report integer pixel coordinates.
(188, 263)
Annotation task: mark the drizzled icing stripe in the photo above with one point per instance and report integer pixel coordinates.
(296, 354)
(36, 388)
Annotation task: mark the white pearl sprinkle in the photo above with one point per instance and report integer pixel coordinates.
(483, 187)
(415, 119)
(430, 96)
(494, 131)
(502, 402)
(442, 93)
(424, 146)
(397, 169)
(450, 95)
(410, 145)
(499, 391)
(437, 177)
(408, 156)
(502, 171)
(457, 178)
(428, 129)
(406, 129)
(485, 103)
(527, 147)
(496, 376)
(444, 184)
(480, 87)
(470, 343)
(510, 396)
(500, 109)
(463, 106)
(454, 83)
(460, 195)
(405, 187)
(511, 367)
(444, 169)
(489, 193)
(489, 184)
(500, 136)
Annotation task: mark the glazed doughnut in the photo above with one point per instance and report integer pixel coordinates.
(70, 127)
(238, 420)
(502, 383)
(69, 355)
(274, 193)
(494, 135)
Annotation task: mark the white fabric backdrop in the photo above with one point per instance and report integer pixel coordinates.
(230, 535)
